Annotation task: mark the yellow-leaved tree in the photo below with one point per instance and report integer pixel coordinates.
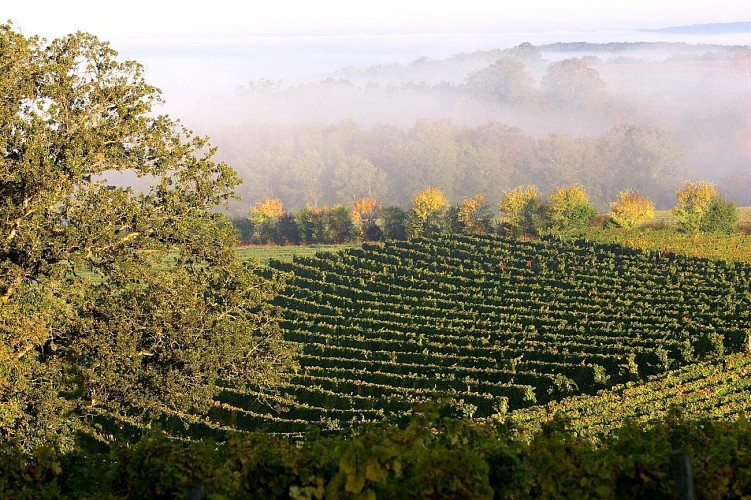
(266, 210)
(428, 208)
(694, 201)
(264, 216)
(522, 209)
(631, 209)
(701, 208)
(569, 208)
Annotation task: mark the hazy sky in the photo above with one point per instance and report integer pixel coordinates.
(138, 18)
(193, 49)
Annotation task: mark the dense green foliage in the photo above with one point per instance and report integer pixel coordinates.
(714, 390)
(721, 217)
(493, 324)
(90, 318)
(429, 458)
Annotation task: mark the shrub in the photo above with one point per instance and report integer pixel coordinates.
(243, 229)
(721, 217)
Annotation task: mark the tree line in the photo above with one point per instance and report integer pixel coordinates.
(507, 116)
(699, 207)
(318, 164)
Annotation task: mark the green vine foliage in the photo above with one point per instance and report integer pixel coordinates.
(428, 458)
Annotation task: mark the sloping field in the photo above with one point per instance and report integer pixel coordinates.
(728, 247)
(492, 324)
(714, 389)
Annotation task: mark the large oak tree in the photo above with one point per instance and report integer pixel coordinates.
(113, 299)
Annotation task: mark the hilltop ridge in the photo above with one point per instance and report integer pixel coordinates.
(705, 29)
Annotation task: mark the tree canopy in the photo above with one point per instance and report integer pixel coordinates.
(569, 208)
(428, 207)
(631, 209)
(113, 298)
(522, 209)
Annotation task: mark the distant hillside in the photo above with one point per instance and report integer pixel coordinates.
(625, 47)
(706, 29)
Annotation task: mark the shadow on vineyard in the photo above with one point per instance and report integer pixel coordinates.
(430, 457)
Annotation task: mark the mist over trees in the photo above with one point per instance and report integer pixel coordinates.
(645, 116)
(328, 164)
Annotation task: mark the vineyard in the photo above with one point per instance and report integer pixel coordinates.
(514, 333)
(713, 390)
(729, 247)
(495, 325)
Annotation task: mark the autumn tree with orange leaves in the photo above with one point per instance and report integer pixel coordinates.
(365, 212)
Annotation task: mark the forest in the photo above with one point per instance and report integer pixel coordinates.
(490, 120)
